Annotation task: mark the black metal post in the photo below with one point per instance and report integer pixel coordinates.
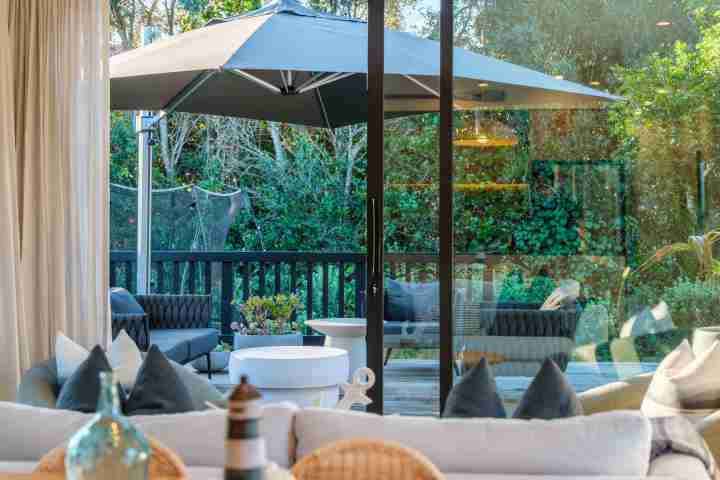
(446, 200)
(375, 177)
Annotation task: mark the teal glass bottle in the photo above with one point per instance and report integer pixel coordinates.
(109, 447)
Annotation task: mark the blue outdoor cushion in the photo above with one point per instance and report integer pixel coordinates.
(121, 301)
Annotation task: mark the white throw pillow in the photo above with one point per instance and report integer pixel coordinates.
(126, 359)
(68, 356)
(124, 356)
(685, 384)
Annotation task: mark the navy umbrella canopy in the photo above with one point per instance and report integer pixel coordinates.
(285, 62)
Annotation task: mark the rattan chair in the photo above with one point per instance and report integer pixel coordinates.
(365, 460)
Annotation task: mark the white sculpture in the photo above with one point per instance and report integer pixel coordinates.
(355, 393)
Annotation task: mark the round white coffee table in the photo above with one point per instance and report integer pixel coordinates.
(346, 333)
(307, 376)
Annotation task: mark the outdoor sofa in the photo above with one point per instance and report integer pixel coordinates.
(518, 336)
(178, 324)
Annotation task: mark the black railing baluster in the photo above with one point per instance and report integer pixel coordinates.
(191, 277)
(113, 274)
(160, 276)
(226, 297)
(208, 278)
(293, 277)
(309, 290)
(129, 277)
(246, 280)
(261, 279)
(341, 289)
(359, 289)
(325, 290)
(278, 278)
(176, 277)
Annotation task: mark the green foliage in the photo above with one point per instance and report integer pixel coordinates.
(268, 315)
(694, 303)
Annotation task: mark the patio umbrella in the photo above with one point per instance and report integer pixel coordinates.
(287, 63)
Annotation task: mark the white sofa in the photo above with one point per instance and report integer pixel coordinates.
(608, 446)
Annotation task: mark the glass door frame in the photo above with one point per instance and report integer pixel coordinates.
(375, 199)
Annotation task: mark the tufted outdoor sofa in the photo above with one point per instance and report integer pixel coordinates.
(178, 324)
(519, 336)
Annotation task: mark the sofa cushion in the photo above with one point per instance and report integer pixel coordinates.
(685, 384)
(39, 385)
(475, 395)
(199, 437)
(121, 301)
(35, 431)
(619, 441)
(407, 302)
(183, 344)
(124, 357)
(549, 396)
(68, 356)
(158, 388)
(81, 391)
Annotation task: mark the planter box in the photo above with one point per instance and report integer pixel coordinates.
(254, 341)
(218, 362)
(313, 340)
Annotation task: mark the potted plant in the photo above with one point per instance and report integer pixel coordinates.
(267, 321)
(219, 359)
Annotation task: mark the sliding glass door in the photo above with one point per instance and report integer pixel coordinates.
(571, 218)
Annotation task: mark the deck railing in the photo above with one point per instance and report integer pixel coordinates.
(329, 284)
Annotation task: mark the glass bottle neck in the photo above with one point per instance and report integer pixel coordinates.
(109, 399)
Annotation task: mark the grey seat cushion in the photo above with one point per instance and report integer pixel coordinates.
(183, 345)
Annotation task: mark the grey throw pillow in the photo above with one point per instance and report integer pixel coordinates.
(81, 390)
(409, 302)
(475, 395)
(158, 388)
(121, 301)
(549, 396)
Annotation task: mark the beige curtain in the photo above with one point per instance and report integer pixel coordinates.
(59, 91)
(9, 231)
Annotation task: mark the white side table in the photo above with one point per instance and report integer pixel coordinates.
(306, 376)
(346, 333)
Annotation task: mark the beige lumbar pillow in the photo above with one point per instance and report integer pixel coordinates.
(685, 384)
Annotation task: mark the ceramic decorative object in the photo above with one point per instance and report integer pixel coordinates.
(109, 447)
(355, 393)
(245, 457)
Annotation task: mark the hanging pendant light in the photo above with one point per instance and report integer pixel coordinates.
(485, 133)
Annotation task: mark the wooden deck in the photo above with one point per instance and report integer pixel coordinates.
(412, 386)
